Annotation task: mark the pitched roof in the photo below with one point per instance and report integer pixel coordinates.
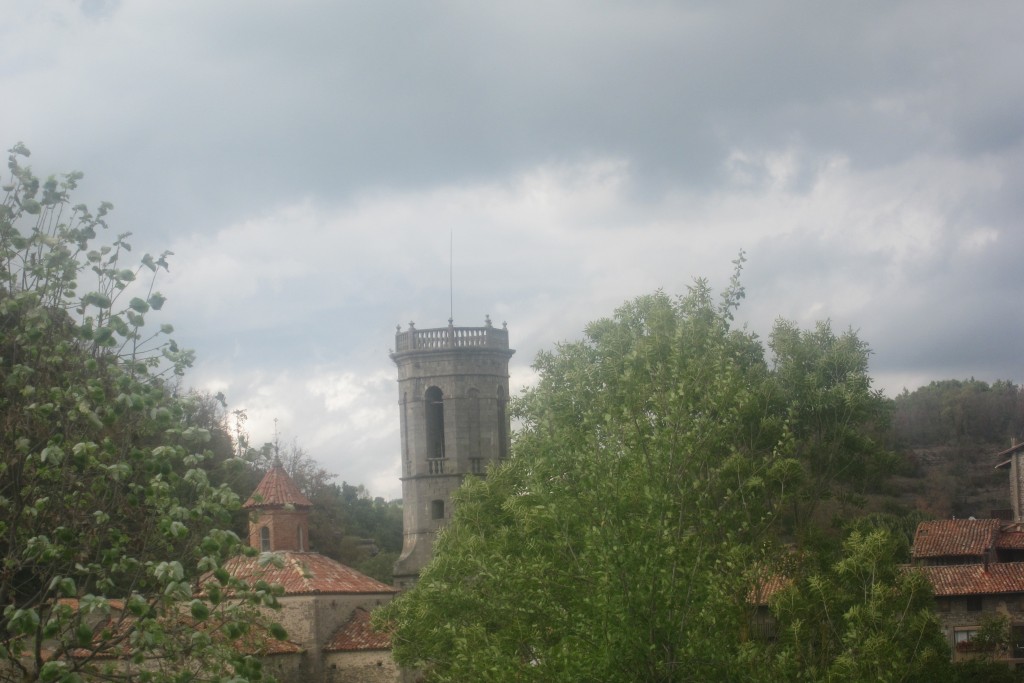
(1010, 540)
(261, 642)
(277, 490)
(110, 639)
(306, 574)
(955, 537)
(358, 634)
(975, 579)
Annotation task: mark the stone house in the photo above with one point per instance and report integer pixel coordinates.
(976, 568)
(326, 606)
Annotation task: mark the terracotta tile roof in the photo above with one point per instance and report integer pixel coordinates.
(955, 537)
(305, 574)
(1010, 540)
(277, 490)
(975, 579)
(116, 645)
(767, 588)
(358, 634)
(261, 642)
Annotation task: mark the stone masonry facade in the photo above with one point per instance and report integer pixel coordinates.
(453, 396)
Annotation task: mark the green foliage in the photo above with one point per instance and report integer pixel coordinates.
(960, 411)
(350, 526)
(834, 419)
(107, 512)
(863, 619)
(660, 461)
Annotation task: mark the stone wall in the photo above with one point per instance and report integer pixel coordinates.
(373, 666)
(472, 376)
(291, 668)
(964, 614)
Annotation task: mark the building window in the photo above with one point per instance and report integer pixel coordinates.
(437, 509)
(405, 433)
(435, 423)
(1017, 640)
(476, 465)
(473, 422)
(974, 603)
(943, 604)
(265, 539)
(298, 544)
(963, 637)
(502, 424)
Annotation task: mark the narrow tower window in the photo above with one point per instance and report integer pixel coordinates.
(502, 424)
(437, 509)
(265, 539)
(299, 546)
(474, 424)
(403, 419)
(435, 423)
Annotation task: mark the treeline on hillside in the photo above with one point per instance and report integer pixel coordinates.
(958, 411)
(346, 524)
(947, 434)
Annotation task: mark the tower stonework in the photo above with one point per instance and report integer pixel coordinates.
(452, 399)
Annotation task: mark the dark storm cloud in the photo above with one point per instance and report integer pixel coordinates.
(235, 101)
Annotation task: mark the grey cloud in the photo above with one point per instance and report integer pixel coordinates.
(205, 123)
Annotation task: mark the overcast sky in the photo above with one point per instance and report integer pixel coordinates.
(308, 162)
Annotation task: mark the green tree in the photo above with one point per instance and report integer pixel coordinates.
(614, 545)
(834, 419)
(656, 462)
(107, 513)
(863, 619)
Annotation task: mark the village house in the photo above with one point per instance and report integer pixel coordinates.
(976, 568)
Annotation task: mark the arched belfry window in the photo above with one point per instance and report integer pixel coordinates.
(435, 423)
(265, 539)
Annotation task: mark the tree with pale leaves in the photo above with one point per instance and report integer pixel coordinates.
(107, 514)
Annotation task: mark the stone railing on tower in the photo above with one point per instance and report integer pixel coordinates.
(451, 337)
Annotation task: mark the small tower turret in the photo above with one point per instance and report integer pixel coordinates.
(278, 513)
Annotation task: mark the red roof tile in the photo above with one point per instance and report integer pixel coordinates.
(258, 640)
(261, 642)
(1010, 540)
(955, 537)
(975, 579)
(305, 574)
(762, 592)
(358, 634)
(277, 490)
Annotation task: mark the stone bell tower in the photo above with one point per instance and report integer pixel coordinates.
(452, 398)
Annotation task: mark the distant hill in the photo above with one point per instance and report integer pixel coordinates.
(947, 435)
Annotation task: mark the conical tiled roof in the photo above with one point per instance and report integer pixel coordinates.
(277, 490)
(306, 574)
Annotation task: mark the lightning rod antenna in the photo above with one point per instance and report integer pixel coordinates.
(451, 277)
